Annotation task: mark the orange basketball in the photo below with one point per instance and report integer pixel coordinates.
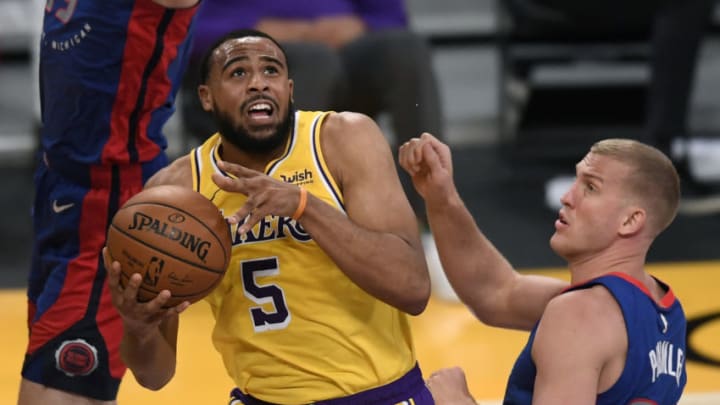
(175, 238)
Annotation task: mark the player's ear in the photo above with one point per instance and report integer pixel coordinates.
(291, 85)
(205, 97)
(633, 222)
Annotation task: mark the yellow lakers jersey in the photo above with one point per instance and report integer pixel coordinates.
(290, 325)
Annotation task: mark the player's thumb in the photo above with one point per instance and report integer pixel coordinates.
(432, 158)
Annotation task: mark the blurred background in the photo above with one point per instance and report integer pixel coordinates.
(519, 111)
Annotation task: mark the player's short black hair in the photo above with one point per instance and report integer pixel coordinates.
(242, 33)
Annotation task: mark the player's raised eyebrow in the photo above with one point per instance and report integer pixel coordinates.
(585, 173)
(265, 58)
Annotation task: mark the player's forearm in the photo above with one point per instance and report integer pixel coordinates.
(481, 276)
(381, 263)
(150, 358)
(474, 267)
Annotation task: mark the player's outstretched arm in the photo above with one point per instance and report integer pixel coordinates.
(149, 342)
(481, 276)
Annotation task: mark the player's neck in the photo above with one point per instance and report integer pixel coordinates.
(593, 266)
(252, 160)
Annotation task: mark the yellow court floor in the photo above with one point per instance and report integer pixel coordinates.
(445, 335)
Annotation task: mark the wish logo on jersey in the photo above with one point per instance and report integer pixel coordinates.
(299, 178)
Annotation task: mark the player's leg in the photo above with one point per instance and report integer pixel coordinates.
(73, 348)
(33, 393)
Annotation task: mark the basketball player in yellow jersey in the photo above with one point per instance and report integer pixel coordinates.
(327, 261)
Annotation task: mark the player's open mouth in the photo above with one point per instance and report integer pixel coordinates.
(561, 218)
(260, 110)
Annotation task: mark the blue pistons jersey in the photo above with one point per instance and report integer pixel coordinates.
(654, 370)
(109, 72)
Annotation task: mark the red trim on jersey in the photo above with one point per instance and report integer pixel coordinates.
(642, 401)
(666, 301)
(633, 281)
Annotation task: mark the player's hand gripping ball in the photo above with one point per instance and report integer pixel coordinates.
(175, 238)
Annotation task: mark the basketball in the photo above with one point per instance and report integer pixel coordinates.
(175, 238)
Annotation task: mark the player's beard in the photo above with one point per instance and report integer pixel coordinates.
(240, 137)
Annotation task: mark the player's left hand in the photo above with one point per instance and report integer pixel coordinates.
(139, 318)
(449, 387)
(265, 195)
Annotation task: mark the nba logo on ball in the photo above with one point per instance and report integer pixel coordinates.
(175, 238)
(153, 271)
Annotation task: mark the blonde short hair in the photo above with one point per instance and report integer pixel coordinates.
(653, 178)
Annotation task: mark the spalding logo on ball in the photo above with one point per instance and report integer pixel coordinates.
(175, 238)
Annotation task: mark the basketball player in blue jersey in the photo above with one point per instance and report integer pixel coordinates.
(326, 264)
(616, 334)
(109, 72)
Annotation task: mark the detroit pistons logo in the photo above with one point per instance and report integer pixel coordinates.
(76, 358)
